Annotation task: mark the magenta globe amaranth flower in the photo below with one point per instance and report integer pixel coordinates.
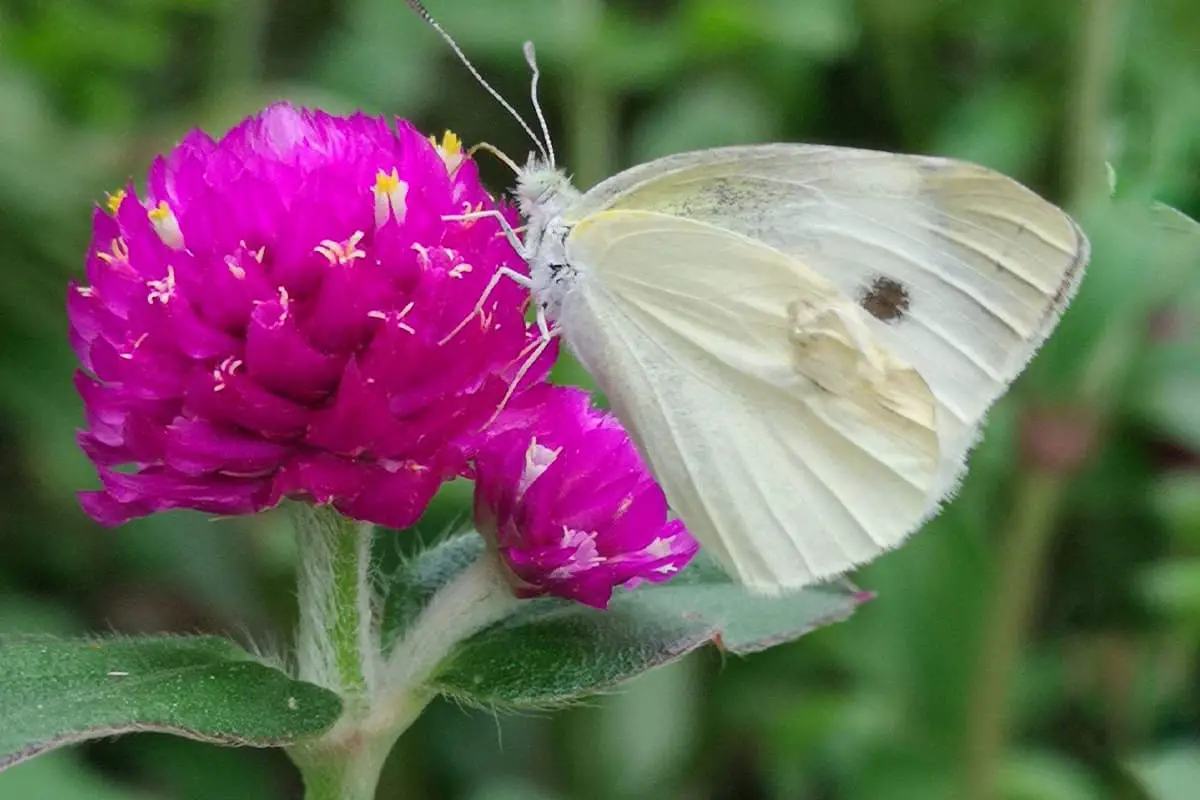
(569, 505)
(282, 315)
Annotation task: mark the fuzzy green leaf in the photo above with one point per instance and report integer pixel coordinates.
(553, 651)
(55, 692)
(413, 585)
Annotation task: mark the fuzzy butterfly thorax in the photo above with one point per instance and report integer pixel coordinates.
(544, 193)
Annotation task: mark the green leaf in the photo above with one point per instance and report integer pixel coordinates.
(1038, 775)
(553, 651)
(55, 692)
(411, 587)
(1171, 774)
(1176, 498)
(1174, 587)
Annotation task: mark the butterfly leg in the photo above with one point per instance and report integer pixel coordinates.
(534, 352)
(504, 272)
(509, 232)
(543, 327)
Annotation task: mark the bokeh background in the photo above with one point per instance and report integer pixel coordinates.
(1038, 641)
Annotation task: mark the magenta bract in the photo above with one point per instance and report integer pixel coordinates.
(569, 504)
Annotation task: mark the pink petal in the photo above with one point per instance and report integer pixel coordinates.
(196, 447)
(279, 358)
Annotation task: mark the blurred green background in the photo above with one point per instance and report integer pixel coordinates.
(1038, 641)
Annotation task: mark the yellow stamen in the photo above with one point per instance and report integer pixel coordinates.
(113, 200)
(119, 253)
(450, 149)
(391, 195)
(166, 225)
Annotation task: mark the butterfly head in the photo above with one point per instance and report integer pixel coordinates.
(543, 191)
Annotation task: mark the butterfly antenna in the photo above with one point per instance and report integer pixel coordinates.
(498, 153)
(531, 60)
(424, 14)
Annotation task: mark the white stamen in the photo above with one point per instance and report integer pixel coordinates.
(128, 355)
(342, 252)
(162, 290)
(394, 317)
(224, 371)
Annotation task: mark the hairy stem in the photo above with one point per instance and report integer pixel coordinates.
(336, 646)
(339, 648)
(350, 772)
(335, 643)
(474, 599)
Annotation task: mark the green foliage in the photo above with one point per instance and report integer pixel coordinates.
(57, 692)
(568, 651)
(1103, 701)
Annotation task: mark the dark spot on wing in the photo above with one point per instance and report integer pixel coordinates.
(885, 300)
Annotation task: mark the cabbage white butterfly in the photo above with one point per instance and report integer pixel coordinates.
(803, 340)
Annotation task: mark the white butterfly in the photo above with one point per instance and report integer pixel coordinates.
(803, 340)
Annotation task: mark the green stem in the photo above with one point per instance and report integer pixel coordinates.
(1039, 496)
(338, 647)
(347, 772)
(335, 642)
(1035, 511)
(477, 597)
(591, 123)
(1087, 123)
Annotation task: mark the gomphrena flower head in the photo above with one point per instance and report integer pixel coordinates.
(567, 502)
(282, 315)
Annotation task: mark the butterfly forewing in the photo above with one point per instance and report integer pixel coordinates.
(792, 444)
(962, 270)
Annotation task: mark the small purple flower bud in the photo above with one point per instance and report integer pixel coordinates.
(569, 505)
